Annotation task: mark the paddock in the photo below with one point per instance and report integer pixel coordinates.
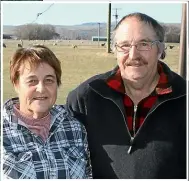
(78, 64)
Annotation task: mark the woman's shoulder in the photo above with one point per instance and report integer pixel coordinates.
(62, 116)
(8, 105)
(7, 111)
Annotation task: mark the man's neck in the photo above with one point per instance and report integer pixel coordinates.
(138, 90)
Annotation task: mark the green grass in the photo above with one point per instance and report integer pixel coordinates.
(77, 64)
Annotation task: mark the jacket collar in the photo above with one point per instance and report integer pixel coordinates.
(58, 115)
(177, 83)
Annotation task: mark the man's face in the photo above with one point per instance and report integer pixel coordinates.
(135, 65)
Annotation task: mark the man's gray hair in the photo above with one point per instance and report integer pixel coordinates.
(158, 29)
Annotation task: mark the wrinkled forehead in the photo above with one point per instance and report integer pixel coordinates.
(28, 66)
(133, 30)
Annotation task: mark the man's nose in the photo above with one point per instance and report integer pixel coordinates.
(133, 52)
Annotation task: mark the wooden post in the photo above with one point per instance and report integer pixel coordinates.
(108, 29)
(182, 57)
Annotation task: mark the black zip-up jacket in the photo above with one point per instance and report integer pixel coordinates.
(159, 148)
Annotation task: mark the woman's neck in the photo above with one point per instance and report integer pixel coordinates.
(30, 114)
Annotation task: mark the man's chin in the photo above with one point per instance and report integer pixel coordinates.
(135, 76)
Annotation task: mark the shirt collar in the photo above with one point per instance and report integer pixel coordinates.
(116, 82)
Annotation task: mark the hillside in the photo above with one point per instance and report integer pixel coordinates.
(85, 31)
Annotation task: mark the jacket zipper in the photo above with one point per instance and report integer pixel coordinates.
(131, 137)
(134, 119)
(154, 110)
(135, 110)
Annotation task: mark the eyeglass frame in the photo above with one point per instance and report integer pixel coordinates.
(152, 43)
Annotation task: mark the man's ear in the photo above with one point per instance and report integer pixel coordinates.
(161, 48)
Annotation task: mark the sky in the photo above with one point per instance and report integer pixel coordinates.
(83, 12)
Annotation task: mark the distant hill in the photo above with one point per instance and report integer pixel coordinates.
(91, 24)
(85, 30)
(82, 31)
(8, 29)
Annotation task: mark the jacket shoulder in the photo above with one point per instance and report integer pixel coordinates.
(81, 90)
(178, 83)
(75, 103)
(83, 87)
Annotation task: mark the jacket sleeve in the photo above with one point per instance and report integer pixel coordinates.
(87, 154)
(76, 104)
(18, 166)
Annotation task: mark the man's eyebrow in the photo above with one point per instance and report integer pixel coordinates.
(145, 39)
(141, 40)
(123, 42)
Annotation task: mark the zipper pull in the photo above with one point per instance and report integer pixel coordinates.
(129, 150)
(131, 144)
(134, 119)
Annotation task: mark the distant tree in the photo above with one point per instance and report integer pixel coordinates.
(46, 32)
(172, 33)
(36, 32)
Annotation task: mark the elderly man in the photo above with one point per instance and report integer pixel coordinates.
(135, 115)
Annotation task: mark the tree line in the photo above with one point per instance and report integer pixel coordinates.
(48, 32)
(36, 32)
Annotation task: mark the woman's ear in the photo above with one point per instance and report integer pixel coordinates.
(16, 87)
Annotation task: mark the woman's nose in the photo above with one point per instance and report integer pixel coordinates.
(40, 87)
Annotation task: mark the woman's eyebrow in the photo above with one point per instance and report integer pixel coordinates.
(53, 76)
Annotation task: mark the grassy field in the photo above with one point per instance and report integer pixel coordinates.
(78, 64)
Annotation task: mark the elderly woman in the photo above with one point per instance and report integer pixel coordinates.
(40, 140)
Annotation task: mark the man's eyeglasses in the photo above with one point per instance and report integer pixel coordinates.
(140, 46)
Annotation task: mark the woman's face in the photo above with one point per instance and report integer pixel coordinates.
(37, 90)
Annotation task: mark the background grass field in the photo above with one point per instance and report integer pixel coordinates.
(77, 64)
